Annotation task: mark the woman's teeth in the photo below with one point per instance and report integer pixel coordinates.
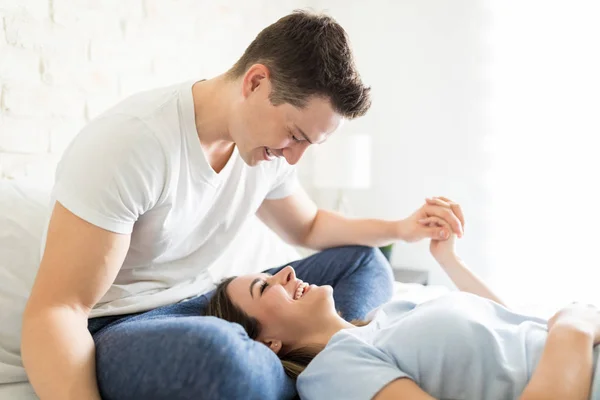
(300, 290)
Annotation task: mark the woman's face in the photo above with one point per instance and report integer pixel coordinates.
(288, 309)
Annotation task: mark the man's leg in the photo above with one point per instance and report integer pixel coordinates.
(174, 353)
(360, 276)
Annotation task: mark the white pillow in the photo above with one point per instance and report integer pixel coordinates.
(17, 391)
(23, 215)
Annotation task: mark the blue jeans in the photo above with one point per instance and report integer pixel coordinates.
(174, 353)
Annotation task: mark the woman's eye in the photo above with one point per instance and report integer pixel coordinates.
(263, 286)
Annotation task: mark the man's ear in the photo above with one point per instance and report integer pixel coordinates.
(273, 344)
(253, 78)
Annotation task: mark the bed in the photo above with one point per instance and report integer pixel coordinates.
(24, 207)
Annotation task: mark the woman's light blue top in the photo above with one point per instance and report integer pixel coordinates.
(458, 346)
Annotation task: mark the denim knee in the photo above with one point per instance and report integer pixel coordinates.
(372, 253)
(379, 264)
(370, 257)
(240, 368)
(359, 251)
(377, 257)
(182, 358)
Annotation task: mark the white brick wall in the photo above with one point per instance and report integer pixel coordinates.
(2, 33)
(63, 62)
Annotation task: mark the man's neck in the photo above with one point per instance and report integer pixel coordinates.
(212, 104)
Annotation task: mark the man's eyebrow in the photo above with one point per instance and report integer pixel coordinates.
(255, 281)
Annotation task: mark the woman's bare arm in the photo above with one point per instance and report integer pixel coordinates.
(564, 371)
(466, 280)
(402, 389)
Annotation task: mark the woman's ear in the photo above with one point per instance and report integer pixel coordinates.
(273, 344)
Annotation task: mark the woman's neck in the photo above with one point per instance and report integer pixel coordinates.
(324, 331)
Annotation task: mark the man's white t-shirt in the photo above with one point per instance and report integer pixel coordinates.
(139, 169)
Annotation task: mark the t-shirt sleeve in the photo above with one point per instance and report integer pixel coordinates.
(112, 173)
(348, 369)
(285, 184)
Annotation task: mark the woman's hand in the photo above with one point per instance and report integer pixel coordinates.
(444, 251)
(445, 254)
(581, 317)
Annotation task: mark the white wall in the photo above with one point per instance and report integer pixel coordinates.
(424, 61)
(64, 61)
(545, 116)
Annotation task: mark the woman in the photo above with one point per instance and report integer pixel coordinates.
(464, 345)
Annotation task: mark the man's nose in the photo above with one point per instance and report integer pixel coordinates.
(294, 153)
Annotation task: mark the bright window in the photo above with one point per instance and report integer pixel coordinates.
(544, 111)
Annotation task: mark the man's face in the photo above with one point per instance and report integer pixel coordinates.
(263, 131)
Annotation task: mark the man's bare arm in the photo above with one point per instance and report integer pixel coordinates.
(80, 263)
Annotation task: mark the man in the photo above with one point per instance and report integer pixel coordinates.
(151, 192)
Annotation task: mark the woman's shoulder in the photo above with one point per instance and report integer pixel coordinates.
(349, 367)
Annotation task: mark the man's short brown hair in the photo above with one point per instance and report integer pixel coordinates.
(308, 54)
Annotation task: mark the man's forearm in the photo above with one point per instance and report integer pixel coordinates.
(565, 369)
(330, 229)
(59, 355)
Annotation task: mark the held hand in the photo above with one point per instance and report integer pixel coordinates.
(427, 221)
(581, 317)
(443, 251)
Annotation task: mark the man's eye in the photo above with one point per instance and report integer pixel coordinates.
(294, 138)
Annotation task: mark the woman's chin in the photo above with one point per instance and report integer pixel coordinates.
(318, 294)
(326, 294)
(323, 290)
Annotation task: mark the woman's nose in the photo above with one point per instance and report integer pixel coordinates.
(287, 274)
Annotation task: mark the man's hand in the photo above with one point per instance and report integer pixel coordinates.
(436, 219)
